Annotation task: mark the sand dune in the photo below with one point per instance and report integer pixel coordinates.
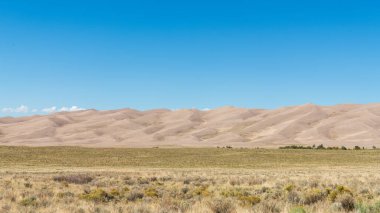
(347, 125)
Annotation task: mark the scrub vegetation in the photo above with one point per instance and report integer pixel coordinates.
(143, 180)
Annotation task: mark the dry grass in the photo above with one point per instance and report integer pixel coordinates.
(183, 158)
(193, 191)
(290, 182)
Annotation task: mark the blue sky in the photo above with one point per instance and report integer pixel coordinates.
(186, 54)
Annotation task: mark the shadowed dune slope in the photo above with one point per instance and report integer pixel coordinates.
(347, 125)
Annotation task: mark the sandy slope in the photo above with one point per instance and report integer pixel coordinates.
(309, 124)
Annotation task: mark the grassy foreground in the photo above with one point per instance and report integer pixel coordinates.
(43, 157)
(81, 180)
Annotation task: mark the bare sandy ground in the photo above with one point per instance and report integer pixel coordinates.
(347, 125)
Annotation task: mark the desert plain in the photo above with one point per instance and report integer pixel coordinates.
(225, 160)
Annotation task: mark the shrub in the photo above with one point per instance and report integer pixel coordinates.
(184, 190)
(249, 200)
(333, 148)
(320, 146)
(339, 190)
(168, 205)
(129, 182)
(151, 192)
(202, 190)
(347, 202)
(298, 209)
(134, 195)
(235, 181)
(115, 192)
(361, 208)
(293, 197)
(234, 192)
(357, 148)
(222, 206)
(142, 181)
(28, 185)
(297, 147)
(289, 187)
(268, 207)
(76, 179)
(65, 194)
(30, 201)
(313, 196)
(165, 178)
(186, 181)
(97, 195)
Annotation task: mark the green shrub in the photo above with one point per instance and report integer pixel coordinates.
(97, 195)
(115, 193)
(151, 192)
(249, 200)
(65, 194)
(361, 208)
(202, 190)
(234, 192)
(298, 209)
(289, 187)
(339, 190)
(30, 201)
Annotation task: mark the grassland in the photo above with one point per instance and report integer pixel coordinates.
(72, 179)
(59, 157)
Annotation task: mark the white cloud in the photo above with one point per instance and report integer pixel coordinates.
(71, 109)
(25, 109)
(7, 110)
(20, 109)
(52, 109)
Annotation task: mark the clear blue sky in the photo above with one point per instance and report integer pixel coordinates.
(185, 54)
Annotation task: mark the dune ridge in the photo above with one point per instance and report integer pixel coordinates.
(339, 125)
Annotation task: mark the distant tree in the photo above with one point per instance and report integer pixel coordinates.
(320, 146)
(357, 148)
(313, 146)
(343, 148)
(374, 147)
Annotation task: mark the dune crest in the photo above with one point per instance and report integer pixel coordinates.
(340, 125)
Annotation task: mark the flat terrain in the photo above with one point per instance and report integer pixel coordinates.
(60, 157)
(196, 180)
(341, 125)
